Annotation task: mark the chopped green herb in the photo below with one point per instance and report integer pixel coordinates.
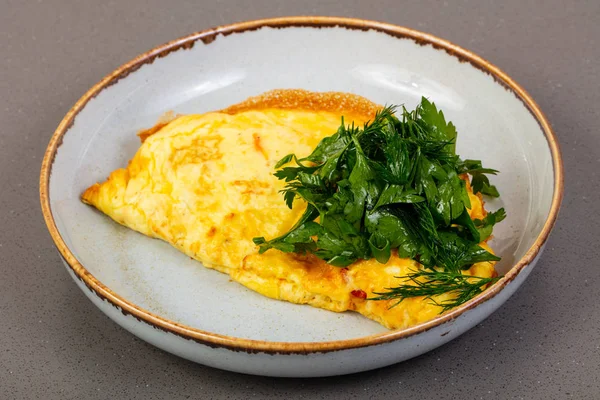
(395, 183)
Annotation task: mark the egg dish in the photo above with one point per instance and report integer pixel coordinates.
(205, 184)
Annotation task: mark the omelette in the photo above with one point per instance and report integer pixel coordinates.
(204, 183)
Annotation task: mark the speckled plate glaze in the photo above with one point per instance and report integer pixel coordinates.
(169, 300)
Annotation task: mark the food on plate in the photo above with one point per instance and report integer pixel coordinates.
(324, 199)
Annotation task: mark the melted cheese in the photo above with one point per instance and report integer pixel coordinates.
(205, 184)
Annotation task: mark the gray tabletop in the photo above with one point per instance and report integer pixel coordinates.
(54, 344)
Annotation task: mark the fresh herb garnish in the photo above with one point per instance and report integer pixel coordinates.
(395, 183)
(429, 283)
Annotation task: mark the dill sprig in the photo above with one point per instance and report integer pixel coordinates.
(431, 283)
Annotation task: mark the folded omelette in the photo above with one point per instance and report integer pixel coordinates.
(205, 184)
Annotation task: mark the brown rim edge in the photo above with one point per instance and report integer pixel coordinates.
(248, 345)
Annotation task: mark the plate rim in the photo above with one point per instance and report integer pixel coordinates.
(207, 36)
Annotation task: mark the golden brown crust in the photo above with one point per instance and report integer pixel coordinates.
(300, 99)
(146, 133)
(162, 121)
(90, 193)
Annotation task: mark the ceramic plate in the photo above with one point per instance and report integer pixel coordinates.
(171, 301)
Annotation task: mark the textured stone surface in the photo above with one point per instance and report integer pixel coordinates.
(54, 344)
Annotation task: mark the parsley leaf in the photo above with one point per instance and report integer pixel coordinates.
(480, 182)
(485, 226)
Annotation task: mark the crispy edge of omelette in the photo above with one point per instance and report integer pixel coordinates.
(289, 99)
(313, 281)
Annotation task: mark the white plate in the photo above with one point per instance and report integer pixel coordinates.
(172, 302)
